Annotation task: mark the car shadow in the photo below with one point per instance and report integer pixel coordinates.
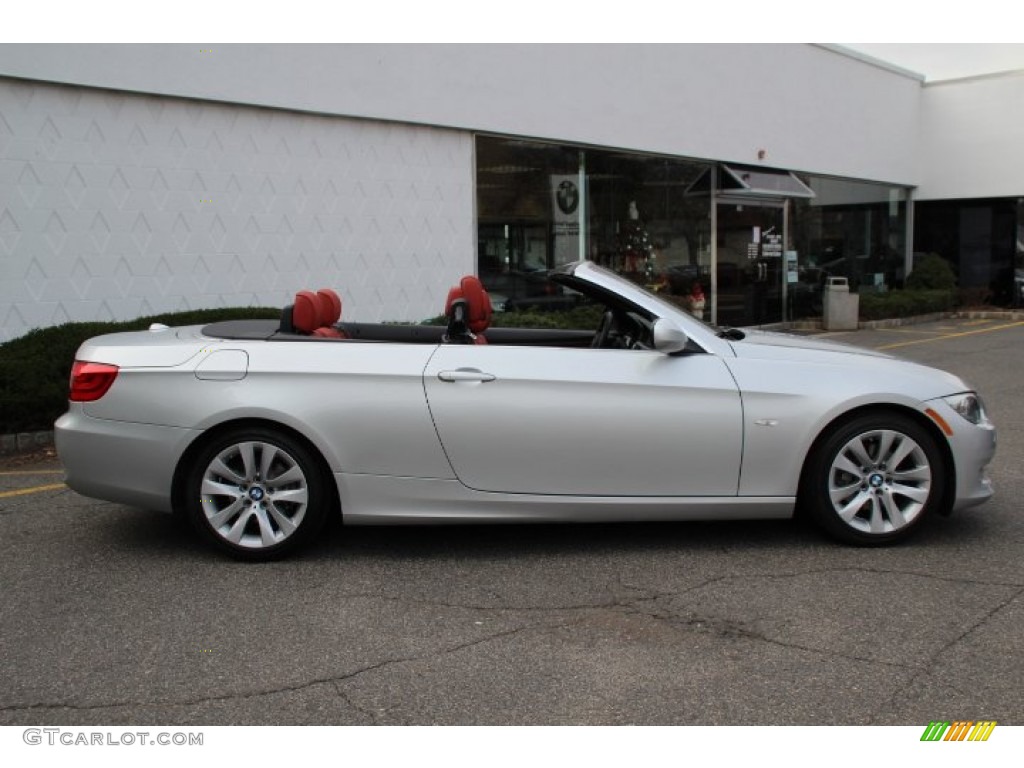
(170, 536)
(487, 542)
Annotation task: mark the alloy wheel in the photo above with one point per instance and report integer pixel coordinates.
(254, 495)
(880, 481)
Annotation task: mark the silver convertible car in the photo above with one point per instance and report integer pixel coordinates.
(259, 430)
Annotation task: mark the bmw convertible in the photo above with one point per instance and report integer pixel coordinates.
(260, 430)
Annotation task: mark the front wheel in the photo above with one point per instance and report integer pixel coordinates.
(874, 479)
(256, 493)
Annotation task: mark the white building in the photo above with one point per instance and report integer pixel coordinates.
(137, 179)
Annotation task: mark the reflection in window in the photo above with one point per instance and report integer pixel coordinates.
(1018, 262)
(649, 219)
(982, 241)
(855, 230)
(540, 205)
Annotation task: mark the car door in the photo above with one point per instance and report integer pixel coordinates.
(590, 422)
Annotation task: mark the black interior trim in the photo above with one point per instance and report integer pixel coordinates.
(264, 330)
(539, 337)
(244, 330)
(403, 334)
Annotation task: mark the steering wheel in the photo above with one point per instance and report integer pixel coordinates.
(603, 330)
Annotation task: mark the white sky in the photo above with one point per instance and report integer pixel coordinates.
(942, 61)
(978, 24)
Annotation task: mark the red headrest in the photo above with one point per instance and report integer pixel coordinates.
(332, 302)
(307, 312)
(479, 304)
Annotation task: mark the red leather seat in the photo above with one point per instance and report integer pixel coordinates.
(333, 305)
(330, 304)
(469, 312)
(315, 313)
(306, 312)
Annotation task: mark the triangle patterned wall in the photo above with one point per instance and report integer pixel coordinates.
(114, 206)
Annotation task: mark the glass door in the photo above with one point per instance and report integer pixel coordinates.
(750, 247)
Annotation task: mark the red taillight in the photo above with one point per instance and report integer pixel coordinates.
(90, 381)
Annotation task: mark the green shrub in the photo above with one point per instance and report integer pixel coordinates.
(585, 317)
(979, 296)
(931, 272)
(907, 303)
(35, 368)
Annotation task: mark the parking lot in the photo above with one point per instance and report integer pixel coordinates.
(112, 615)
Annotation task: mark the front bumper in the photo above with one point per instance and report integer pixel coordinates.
(973, 446)
(119, 461)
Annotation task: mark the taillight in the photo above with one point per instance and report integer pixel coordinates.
(90, 381)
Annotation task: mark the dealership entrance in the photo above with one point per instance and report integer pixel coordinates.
(753, 262)
(749, 262)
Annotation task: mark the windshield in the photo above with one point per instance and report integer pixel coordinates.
(581, 274)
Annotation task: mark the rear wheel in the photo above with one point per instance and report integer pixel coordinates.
(257, 493)
(874, 479)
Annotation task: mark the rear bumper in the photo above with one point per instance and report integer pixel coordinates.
(120, 461)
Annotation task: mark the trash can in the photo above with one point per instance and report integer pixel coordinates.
(840, 307)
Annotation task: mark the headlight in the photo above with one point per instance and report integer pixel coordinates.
(968, 405)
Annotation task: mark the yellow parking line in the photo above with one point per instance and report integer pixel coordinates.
(33, 472)
(33, 489)
(952, 335)
(911, 330)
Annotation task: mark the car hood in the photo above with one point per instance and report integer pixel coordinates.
(867, 364)
(754, 340)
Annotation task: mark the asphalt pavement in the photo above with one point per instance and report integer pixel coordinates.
(112, 615)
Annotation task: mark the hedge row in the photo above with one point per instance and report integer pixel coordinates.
(586, 316)
(580, 317)
(907, 303)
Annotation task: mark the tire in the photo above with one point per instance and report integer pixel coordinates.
(874, 480)
(257, 493)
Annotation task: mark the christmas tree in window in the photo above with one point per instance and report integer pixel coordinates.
(635, 247)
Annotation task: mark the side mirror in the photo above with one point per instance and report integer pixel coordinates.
(669, 338)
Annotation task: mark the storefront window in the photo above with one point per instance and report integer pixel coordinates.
(981, 239)
(849, 229)
(540, 205)
(778, 236)
(1018, 272)
(519, 187)
(645, 226)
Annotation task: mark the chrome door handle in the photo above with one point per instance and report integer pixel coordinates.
(465, 374)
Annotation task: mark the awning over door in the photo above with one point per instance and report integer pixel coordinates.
(736, 180)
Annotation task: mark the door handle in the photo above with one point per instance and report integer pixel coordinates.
(465, 374)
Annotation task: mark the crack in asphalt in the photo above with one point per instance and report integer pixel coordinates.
(653, 594)
(732, 630)
(980, 623)
(643, 603)
(333, 681)
(927, 668)
(343, 695)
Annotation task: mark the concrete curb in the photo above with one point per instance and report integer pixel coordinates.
(990, 314)
(964, 314)
(897, 322)
(23, 442)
